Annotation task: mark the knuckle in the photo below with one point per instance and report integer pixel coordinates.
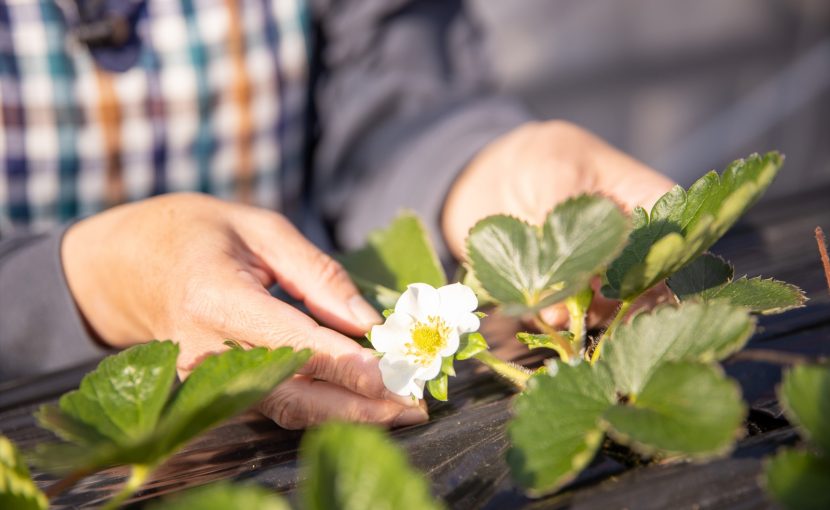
(329, 271)
(288, 409)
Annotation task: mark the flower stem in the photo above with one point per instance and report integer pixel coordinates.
(138, 475)
(563, 347)
(577, 306)
(516, 374)
(610, 329)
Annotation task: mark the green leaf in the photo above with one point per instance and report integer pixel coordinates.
(706, 273)
(523, 267)
(685, 407)
(122, 398)
(541, 340)
(764, 296)
(557, 428)
(393, 258)
(682, 224)
(356, 467)
(692, 331)
(798, 480)
(223, 496)
(387, 312)
(438, 387)
(710, 277)
(805, 397)
(447, 366)
(471, 344)
(220, 387)
(17, 490)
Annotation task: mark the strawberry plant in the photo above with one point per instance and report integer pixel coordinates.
(653, 384)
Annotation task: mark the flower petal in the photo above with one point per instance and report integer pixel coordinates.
(453, 342)
(420, 301)
(467, 323)
(398, 375)
(458, 297)
(392, 334)
(430, 371)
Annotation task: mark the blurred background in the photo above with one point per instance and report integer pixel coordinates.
(685, 86)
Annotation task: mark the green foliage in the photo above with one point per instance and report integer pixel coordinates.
(438, 387)
(122, 399)
(523, 267)
(685, 407)
(139, 422)
(683, 224)
(471, 344)
(805, 397)
(354, 467)
(17, 490)
(541, 340)
(557, 426)
(692, 332)
(798, 480)
(656, 389)
(393, 258)
(223, 496)
(709, 277)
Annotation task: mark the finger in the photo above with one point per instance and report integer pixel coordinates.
(303, 401)
(309, 275)
(237, 309)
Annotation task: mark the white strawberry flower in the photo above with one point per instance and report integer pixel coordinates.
(424, 328)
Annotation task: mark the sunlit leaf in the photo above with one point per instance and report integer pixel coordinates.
(355, 467)
(471, 344)
(557, 428)
(692, 331)
(523, 267)
(17, 490)
(220, 387)
(438, 387)
(683, 224)
(541, 340)
(223, 496)
(393, 258)
(685, 407)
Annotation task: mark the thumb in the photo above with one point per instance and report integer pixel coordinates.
(308, 274)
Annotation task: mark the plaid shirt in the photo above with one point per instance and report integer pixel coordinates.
(215, 103)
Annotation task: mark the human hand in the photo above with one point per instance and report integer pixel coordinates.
(196, 270)
(534, 167)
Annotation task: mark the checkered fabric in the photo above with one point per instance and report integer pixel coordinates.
(215, 104)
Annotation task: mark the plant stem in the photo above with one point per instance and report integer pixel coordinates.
(516, 374)
(577, 306)
(563, 347)
(822, 250)
(610, 329)
(138, 475)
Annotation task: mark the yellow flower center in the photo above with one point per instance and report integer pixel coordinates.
(428, 338)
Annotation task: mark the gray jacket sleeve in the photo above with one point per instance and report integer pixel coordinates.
(40, 326)
(405, 99)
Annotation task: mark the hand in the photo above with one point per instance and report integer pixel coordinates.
(529, 170)
(196, 270)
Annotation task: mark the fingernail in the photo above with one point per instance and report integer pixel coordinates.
(410, 416)
(363, 312)
(406, 401)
